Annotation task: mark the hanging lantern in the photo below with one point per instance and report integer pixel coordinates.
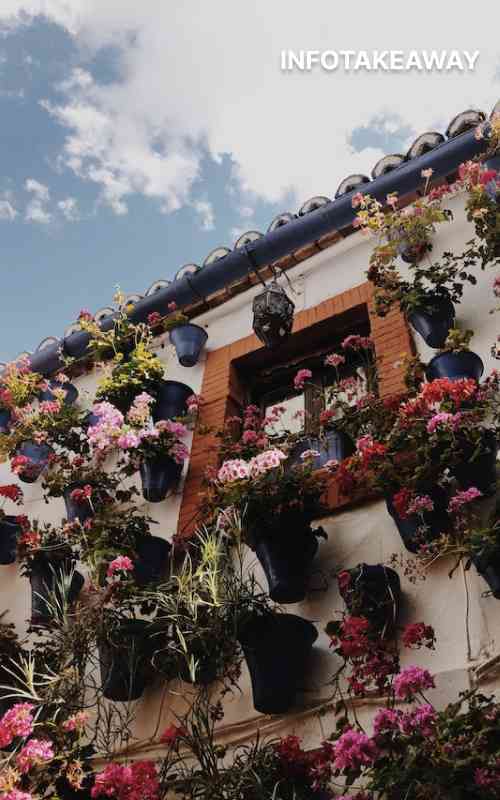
(272, 315)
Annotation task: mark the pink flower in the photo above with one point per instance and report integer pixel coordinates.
(443, 420)
(128, 441)
(139, 412)
(422, 720)
(118, 564)
(77, 722)
(386, 719)
(233, 470)
(458, 501)
(85, 315)
(263, 462)
(419, 504)
(16, 794)
(249, 437)
(334, 360)
(355, 342)
(193, 403)
(309, 455)
(357, 200)
(496, 286)
(138, 781)
(172, 306)
(50, 406)
(17, 721)
(34, 753)
(301, 377)
(354, 750)
(154, 319)
(412, 680)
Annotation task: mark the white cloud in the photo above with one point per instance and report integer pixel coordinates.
(69, 209)
(7, 211)
(36, 210)
(206, 212)
(176, 93)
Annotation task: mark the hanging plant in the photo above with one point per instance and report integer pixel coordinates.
(372, 591)
(455, 361)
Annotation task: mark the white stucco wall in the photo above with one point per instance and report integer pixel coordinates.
(466, 623)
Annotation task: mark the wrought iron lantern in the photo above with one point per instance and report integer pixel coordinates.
(272, 315)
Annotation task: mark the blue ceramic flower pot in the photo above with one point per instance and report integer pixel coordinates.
(277, 648)
(434, 324)
(38, 455)
(436, 521)
(455, 366)
(9, 534)
(46, 578)
(70, 396)
(171, 400)
(158, 475)
(334, 446)
(153, 553)
(286, 557)
(374, 592)
(188, 340)
(123, 661)
(5, 418)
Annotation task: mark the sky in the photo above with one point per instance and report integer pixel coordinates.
(136, 137)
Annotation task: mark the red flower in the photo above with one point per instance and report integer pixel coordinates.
(154, 319)
(82, 495)
(12, 492)
(418, 634)
(401, 500)
(343, 580)
(171, 734)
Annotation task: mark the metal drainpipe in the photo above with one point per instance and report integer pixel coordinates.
(338, 214)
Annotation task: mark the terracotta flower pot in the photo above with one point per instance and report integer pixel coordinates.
(285, 555)
(188, 340)
(455, 366)
(124, 661)
(153, 553)
(45, 579)
(277, 648)
(9, 534)
(158, 475)
(434, 323)
(171, 400)
(372, 591)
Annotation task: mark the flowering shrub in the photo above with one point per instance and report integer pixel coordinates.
(19, 385)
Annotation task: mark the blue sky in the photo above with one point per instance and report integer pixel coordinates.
(134, 141)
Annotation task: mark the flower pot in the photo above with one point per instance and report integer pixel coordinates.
(455, 366)
(5, 419)
(77, 511)
(45, 578)
(489, 569)
(285, 555)
(76, 344)
(152, 558)
(412, 254)
(9, 534)
(436, 521)
(482, 471)
(493, 163)
(188, 340)
(69, 398)
(276, 649)
(206, 669)
(123, 661)
(158, 475)
(433, 323)
(334, 446)
(373, 591)
(38, 455)
(171, 400)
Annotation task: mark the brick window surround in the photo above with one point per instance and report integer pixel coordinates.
(223, 395)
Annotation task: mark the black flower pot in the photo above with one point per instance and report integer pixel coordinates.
(482, 471)
(434, 323)
(455, 366)
(77, 511)
(152, 558)
(46, 577)
(374, 592)
(489, 569)
(9, 534)
(276, 648)
(188, 340)
(124, 661)
(437, 521)
(206, 669)
(285, 555)
(38, 455)
(334, 446)
(69, 398)
(158, 475)
(171, 400)
(5, 418)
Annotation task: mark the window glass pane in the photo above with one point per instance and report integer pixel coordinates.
(293, 417)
